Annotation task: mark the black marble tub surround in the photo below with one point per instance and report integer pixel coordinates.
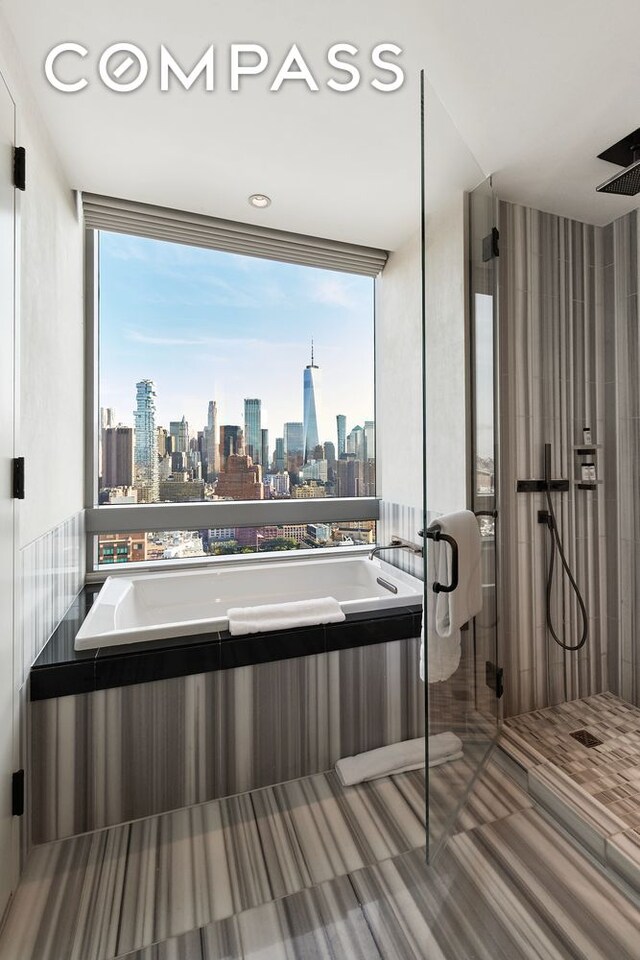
(61, 670)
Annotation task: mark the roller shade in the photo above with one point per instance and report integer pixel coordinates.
(162, 223)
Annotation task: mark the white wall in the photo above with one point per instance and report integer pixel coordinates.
(399, 420)
(51, 334)
(450, 170)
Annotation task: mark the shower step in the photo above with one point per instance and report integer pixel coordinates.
(614, 842)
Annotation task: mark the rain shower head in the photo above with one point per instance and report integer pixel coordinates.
(625, 153)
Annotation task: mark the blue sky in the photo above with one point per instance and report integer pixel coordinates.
(207, 326)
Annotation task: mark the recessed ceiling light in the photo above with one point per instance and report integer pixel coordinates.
(260, 200)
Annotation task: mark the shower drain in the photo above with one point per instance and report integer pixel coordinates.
(585, 738)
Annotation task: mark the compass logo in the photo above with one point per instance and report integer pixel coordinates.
(124, 67)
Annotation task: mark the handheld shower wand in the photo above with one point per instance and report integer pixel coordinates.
(556, 544)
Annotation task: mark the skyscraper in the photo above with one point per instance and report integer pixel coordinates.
(179, 430)
(294, 444)
(330, 453)
(311, 384)
(231, 443)
(369, 440)
(280, 462)
(117, 457)
(341, 421)
(146, 443)
(355, 443)
(350, 477)
(212, 441)
(264, 449)
(253, 428)
(163, 446)
(107, 417)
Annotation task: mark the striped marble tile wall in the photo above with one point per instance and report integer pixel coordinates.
(552, 384)
(622, 432)
(402, 520)
(52, 570)
(128, 752)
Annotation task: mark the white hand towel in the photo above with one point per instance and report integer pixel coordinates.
(283, 616)
(455, 609)
(443, 653)
(398, 758)
(448, 612)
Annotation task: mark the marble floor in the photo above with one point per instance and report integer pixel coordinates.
(594, 790)
(309, 869)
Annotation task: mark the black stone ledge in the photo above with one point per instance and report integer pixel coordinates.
(60, 670)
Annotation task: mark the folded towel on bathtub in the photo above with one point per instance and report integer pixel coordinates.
(283, 616)
(398, 758)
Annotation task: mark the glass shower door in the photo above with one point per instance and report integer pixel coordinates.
(483, 246)
(459, 258)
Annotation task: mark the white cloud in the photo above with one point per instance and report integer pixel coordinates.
(138, 337)
(335, 292)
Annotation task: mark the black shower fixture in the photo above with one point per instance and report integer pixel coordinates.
(625, 153)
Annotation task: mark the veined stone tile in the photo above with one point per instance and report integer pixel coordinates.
(572, 806)
(623, 853)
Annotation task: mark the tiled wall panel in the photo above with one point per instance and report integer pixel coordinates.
(402, 520)
(552, 384)
(622, 426)
(52, 570)
(128, 752)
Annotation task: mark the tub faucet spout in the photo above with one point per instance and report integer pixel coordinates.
(397, 543)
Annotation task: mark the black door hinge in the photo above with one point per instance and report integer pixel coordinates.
(491, 245)
(17, 793)
(18, 478)
(494, 678)
(20, 168)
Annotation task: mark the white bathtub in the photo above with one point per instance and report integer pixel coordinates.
(131, 609)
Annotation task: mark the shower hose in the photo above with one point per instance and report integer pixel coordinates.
(556, 544)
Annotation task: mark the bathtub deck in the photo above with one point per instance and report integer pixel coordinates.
(61, 671)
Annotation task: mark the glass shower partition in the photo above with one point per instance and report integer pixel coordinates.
(459, 256)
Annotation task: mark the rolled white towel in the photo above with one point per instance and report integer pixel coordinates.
(398, 758)
(444, 747)
(284, 616)
(395, 758)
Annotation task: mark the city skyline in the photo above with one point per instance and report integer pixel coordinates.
(335, 436)
(206, 325)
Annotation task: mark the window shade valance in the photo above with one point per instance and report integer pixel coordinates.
(162, 223)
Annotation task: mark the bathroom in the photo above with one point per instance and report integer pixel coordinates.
(327, 646)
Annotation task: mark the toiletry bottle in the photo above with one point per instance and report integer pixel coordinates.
(586, 436)
(588, 471)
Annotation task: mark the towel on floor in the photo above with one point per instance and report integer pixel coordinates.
(448, 612)
(283, 616)
(397, 758)
(444, 747)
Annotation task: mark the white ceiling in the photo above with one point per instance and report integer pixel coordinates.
(537, 90)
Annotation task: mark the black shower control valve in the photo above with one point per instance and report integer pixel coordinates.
(545, 517)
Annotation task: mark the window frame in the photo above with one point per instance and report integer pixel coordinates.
(126, 518)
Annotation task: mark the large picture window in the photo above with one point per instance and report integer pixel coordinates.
(224, 377)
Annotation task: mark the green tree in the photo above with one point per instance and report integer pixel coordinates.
(279, 543)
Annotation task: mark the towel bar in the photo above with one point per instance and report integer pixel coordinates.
(435, 533)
